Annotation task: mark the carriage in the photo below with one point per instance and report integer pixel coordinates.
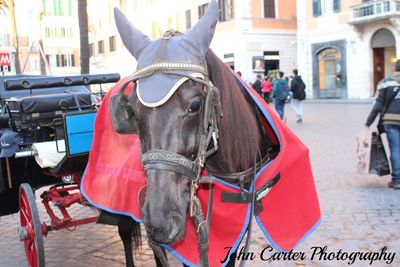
(46, 127)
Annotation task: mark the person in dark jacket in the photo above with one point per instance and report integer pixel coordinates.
(297, 87)
(257, 84)
(280, 92)
(388, 102)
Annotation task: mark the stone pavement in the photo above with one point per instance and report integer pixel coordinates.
(360, 214)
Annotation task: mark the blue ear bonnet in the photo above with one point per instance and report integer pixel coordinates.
(159, 87)
(190, 47)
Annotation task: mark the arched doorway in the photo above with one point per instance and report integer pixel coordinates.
(329, 69)
(383, 46)
(330, 73)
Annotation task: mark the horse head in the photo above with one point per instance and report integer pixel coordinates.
(173, 107)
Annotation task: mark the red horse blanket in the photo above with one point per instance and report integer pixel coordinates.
(114, 178)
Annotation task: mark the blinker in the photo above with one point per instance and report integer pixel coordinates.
(122, 114)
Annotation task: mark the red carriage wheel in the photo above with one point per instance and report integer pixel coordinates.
(30, 230)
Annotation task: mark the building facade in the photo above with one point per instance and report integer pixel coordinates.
(257, 36)
(252, 36)
(58, 21)
(29, 59)
(54, 24)
(346, 47)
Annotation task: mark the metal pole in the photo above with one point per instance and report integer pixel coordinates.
(9, 173)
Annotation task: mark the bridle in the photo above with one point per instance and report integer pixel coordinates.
(208, 135)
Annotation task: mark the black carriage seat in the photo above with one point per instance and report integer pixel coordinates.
(50, 103)
(30, 112)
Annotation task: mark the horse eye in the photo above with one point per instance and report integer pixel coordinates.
(195, 106)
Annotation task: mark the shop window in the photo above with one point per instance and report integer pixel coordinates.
(330, 69)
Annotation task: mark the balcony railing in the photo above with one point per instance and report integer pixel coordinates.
(374, 10)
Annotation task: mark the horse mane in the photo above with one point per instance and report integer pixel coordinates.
(241, 134)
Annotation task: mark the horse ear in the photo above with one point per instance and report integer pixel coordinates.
(122, 115)
(133, 39)
(199, 37)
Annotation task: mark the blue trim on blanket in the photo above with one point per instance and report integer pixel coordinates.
(102, 207)
(275, 246)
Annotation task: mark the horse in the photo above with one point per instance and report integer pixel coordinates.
(234, 155)
(191, 114)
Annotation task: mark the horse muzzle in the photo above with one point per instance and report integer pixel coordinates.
(166, 231)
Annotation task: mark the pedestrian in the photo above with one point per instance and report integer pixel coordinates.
(297, 87)
(281, 93)
(266, 89)
(257, 84)
(387, 104)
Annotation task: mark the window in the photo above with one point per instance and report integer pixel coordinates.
(111, 42)
(64, 60)
(53, 60)
(49, 7)
(336, 5)
(317, 8)
(269, 8)
(202, 10)
(91, 49)
(330, 69)
(63, 63)
(100, 45)
(65, 8)
(69, 8)
(67, 60)
(271, 61)
(188, 15)
(225, 10)
(34, 64)
(321, 7)
(56, 8)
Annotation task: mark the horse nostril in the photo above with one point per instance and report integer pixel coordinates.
(174, 231)
(175, 227)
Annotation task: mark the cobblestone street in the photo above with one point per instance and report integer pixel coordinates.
(359, 212)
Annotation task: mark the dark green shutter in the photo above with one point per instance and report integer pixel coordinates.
(336, 5)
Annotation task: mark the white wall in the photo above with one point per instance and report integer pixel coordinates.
(247, 45)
